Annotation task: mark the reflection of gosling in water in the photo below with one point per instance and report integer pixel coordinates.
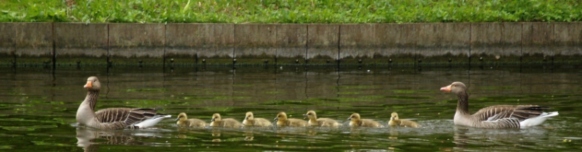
(396, 122)
(356, 121)
(217, 121)
(183, 121)
(283, 121)
(251, 121)
(319, 122)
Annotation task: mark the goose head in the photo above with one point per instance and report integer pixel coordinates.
(215, 117)
(182, 116)
(282, 116)
(394, 116)
(455, 87)
(249, 116)
(92, 84)
(310, 114)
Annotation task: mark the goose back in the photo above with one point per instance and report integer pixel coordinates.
(113, 118)
(498, 116)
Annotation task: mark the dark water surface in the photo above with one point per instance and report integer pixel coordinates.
(38, 106)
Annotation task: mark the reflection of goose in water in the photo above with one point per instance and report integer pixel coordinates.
(497, 116)
(466, 137)
(90, 139)
(113, 118)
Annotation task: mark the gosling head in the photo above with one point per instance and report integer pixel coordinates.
(182, 116)
(249, 116)
(215, 117)
(394, 116)
(354, 117)
(310, 114)
(281, 116)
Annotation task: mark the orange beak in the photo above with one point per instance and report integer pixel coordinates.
(446, 88)
(88, 85)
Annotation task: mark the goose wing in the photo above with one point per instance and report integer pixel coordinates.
(125, 116)
(519, 112)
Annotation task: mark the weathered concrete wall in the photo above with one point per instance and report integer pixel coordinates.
(73, 40)
(307, 41)
(567, 38)
(34, 39)
(190, 40)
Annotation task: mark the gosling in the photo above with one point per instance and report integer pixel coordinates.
(396, 122)
(183, 121)
(217, 121)
(356, 121)
(283, 121)
(251, 121)
(319, 122)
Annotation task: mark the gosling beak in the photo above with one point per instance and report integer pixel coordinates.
(177, 119)
(212, 120)
(304, 116)
(446, 88)
(89, 85)
(349, 118)
(276, 119)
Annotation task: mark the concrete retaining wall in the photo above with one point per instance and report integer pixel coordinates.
(301, 41)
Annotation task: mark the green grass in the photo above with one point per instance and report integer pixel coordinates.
(290, 11)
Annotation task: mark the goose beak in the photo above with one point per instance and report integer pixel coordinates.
(349, 118)
(304, 116)
(446, 88)
(212, 120)
(276, 119)
(89, 85)
(177, 119)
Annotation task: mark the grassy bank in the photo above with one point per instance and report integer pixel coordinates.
(290, 11)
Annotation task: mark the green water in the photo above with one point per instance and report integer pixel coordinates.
(38, 106)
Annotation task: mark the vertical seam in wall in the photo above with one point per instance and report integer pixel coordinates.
(164, 47)
(552, 40)
(339, 36)
(277, 49)
(521, 45)
(234, 47)
(54, 52)
(306, 38)
(470, 42)
(108, 46)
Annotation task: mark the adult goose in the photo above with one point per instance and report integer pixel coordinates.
(113, 118)
(498, 116)
(319, 122)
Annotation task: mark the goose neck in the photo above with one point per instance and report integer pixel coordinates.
(463, 102)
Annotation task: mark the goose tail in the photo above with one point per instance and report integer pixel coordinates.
(152, 121)
(537, 120)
